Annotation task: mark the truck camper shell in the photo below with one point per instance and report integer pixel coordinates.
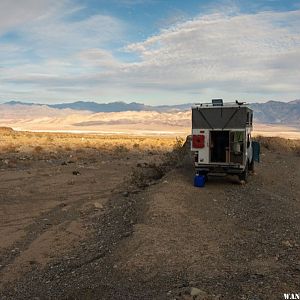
(221, 138)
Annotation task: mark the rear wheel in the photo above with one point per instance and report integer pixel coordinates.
(206, 177)
(244, 176)
(251, 166)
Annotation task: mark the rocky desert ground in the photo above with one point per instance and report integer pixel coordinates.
(118, 217)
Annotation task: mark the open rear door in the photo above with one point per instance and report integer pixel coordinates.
(256, 151)
(219, 146)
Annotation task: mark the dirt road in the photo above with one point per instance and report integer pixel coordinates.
(171, 240)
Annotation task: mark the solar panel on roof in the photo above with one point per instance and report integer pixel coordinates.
(217, 102)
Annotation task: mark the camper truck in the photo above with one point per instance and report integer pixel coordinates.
(221, 138)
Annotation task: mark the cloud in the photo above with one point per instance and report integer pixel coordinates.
(55, 28)
(133, 2)
(230, 55)
(52, 45)
(17, 13)
(56, 36)
(219, 50)
(99, 58)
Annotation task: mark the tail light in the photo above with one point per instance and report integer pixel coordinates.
(198, 141)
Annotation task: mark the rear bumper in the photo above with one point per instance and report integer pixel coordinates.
(220, 168)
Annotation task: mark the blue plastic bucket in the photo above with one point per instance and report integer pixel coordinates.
(199, 181)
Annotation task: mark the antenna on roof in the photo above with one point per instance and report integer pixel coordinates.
(239, 103)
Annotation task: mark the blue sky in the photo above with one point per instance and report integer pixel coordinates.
(151, 51)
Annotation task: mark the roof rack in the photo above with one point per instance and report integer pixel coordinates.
(219, 103)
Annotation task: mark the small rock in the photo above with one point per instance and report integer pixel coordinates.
(126, 234)
(76, 173)
(287, 243)
(98, 205)
(195, 291)
(125, 194)
(297, 267)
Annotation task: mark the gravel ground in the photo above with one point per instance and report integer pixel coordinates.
(162, 238)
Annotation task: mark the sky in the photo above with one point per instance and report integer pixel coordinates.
(150, 51)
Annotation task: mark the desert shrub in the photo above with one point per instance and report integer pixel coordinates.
(136, 146)
(38, 149)
(120, 149)
(178, 143)
(175, 157)
(143, 176)
(158, 170)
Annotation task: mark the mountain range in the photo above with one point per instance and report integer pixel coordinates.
(117, 106)
(271, 112)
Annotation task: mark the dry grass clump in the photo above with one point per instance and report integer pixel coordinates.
(8, 148)
(36, 142)
(38, 149)
(149, 173)
(178, 143)
(120, 149)
(136, 146)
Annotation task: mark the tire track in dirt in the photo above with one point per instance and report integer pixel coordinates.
(58, 217)
(112, 225)
(230, 241)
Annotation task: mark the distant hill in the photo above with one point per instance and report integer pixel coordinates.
(276, 112)
(119, 106)
(108, 107)
(103, 107)
(272, 112)
(13, 102)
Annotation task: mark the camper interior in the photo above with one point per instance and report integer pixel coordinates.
(227, 146)
(219, 146)
(237, 139)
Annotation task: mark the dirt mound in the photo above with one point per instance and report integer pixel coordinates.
(279, 145)
(6, 129)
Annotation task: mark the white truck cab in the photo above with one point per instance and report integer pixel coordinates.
(221, 138)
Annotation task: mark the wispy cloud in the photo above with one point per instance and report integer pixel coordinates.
(218, 50)
(230, 54)
(14, 14)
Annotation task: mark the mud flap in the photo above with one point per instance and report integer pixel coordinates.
(256, 151)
